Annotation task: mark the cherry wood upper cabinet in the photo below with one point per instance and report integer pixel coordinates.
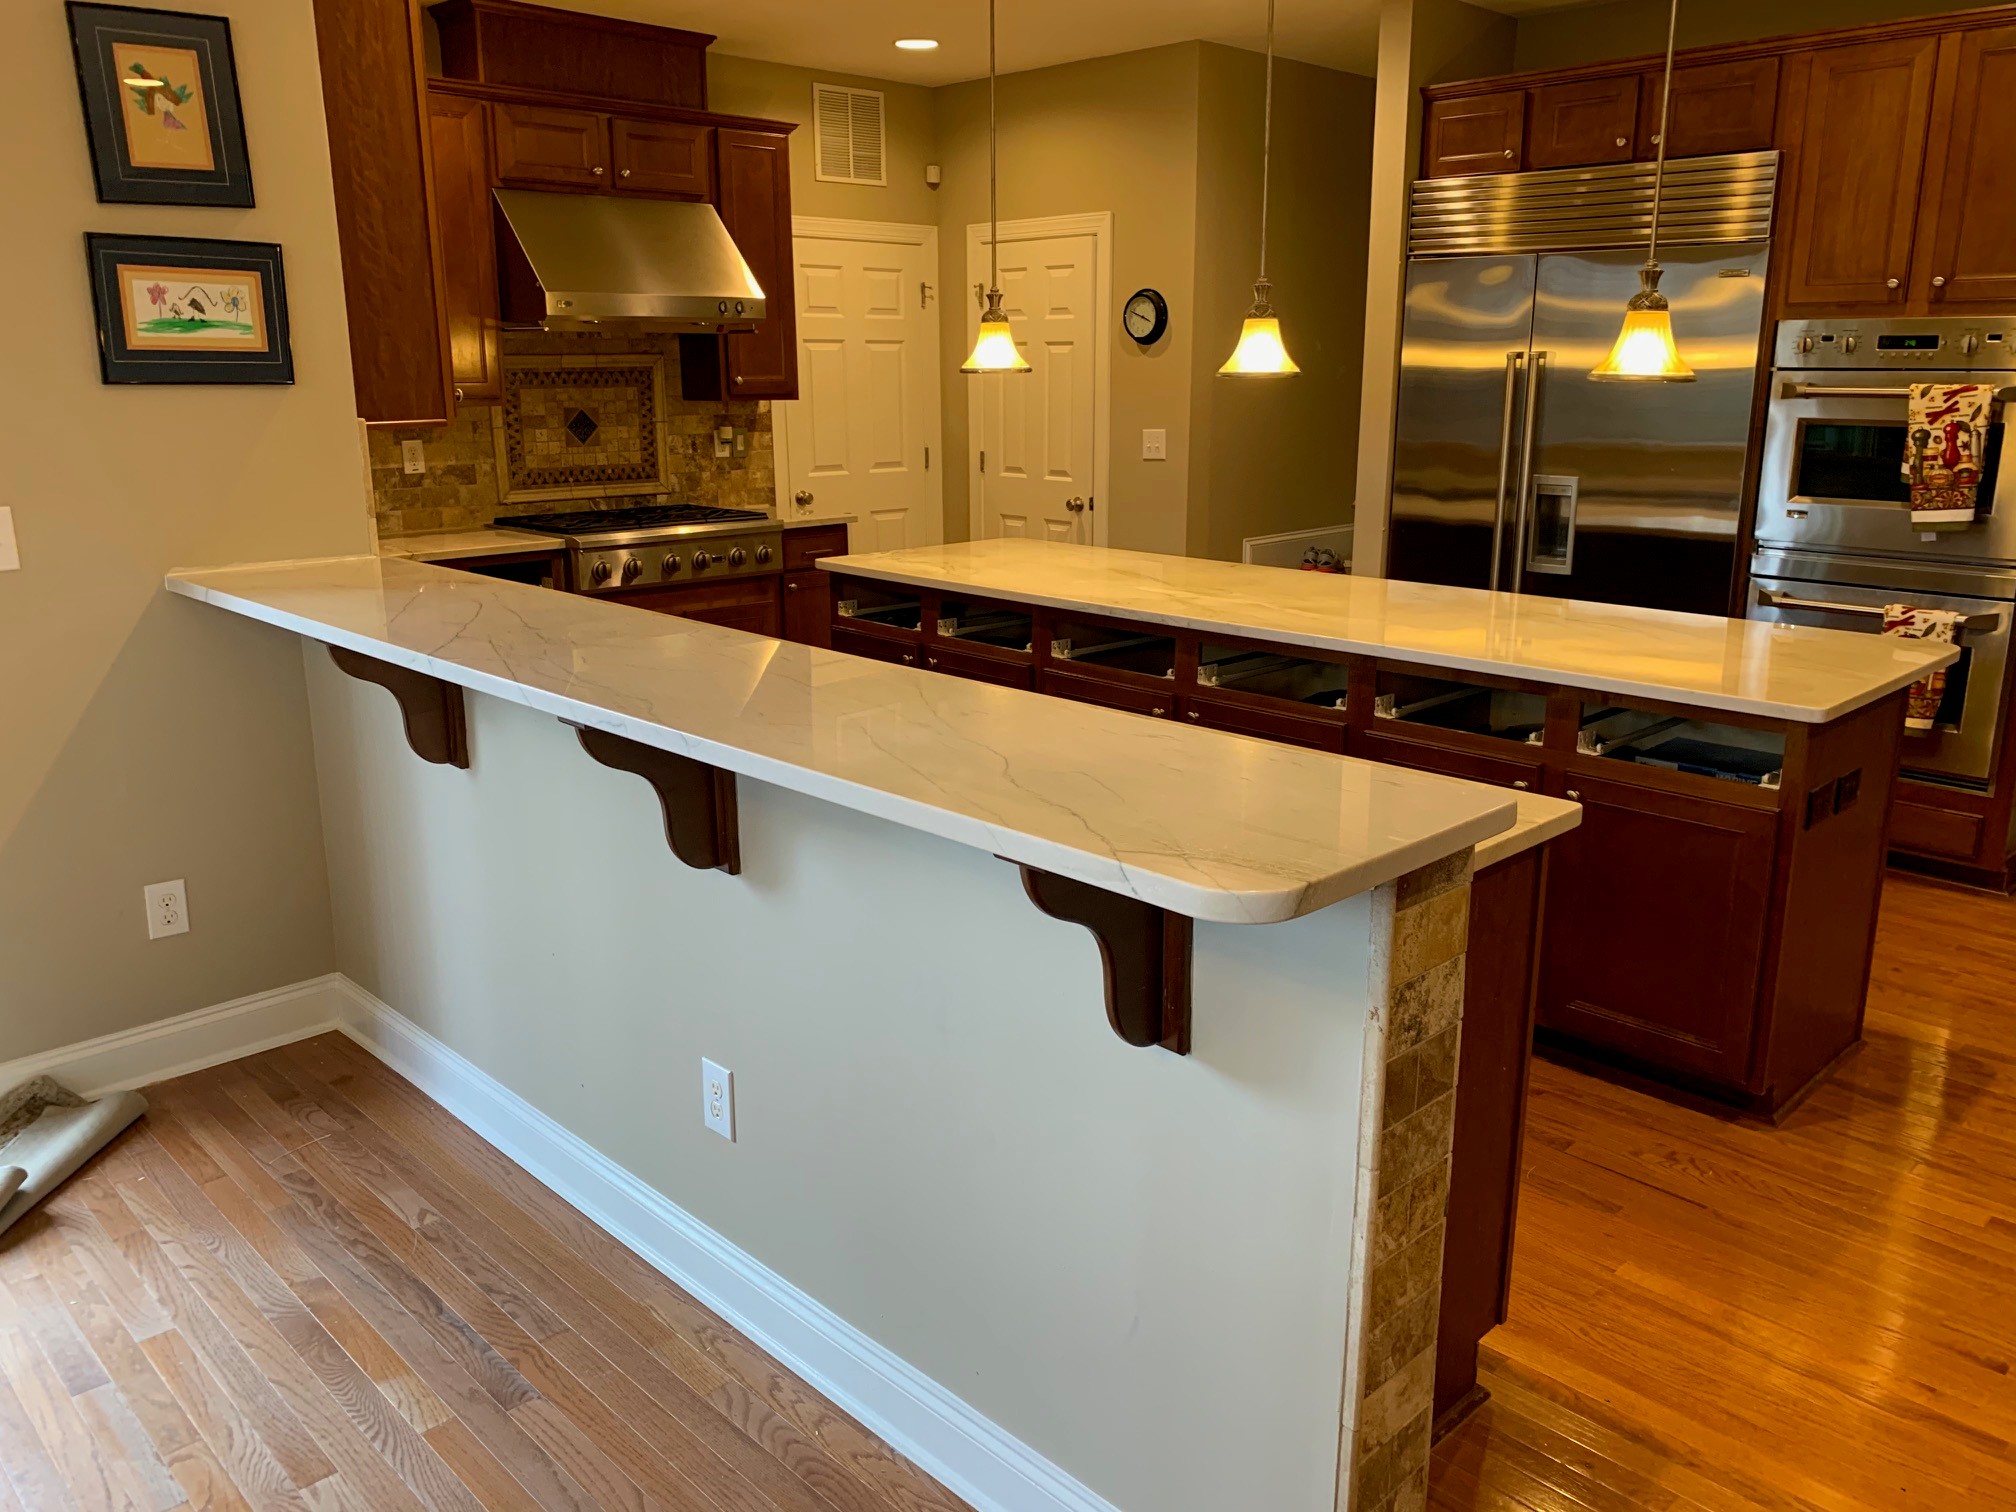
(459, 137)
(1855, 133)
(1717, 108)
(1968, 235)
(571, 52)
(1579, 124)
(662, 157)
(755, 202)
(1476, 134)
(542, 147)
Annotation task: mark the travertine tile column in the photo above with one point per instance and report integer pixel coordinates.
(1410, 1104)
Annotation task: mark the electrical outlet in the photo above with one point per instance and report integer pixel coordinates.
(724, 441)
(717, 1094)
(413, 456)
(1155, 446)
(167, 909)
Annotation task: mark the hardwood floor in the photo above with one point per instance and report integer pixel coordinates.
(298, 1285)
(1712, 1315)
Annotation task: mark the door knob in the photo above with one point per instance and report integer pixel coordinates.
(1076, 506)
(802, 498)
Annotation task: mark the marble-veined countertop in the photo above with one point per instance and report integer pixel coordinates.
(1219, 827)
(1739, 666)
(501, 540)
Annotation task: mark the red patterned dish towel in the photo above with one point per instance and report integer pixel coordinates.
(1945, 438)
(1942, 625)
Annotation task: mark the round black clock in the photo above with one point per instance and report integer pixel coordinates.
(1146, 317)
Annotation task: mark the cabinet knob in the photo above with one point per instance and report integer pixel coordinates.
(738, 376)
(1159, 713)
(1574, 795)
(1939, 282)
(930, 661)
(1522, 784)
(909, 657)
(1889, 283)
(1195, 715)
(458, 395)
(1658, 137)
(620, 172)
(596, 170)
(1622, 142)
(791, 587)
(1510, 153)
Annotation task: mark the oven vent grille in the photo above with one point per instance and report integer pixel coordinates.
(1706, 200)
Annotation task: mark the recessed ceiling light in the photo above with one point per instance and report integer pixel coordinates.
(916, 44)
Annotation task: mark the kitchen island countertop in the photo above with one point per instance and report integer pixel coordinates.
(500, 540)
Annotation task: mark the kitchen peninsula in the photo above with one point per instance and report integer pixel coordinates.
(1709, 923)
(1154, 1269)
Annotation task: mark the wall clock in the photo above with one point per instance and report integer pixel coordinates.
(1146, 317)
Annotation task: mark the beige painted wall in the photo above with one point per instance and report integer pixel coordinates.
(145, 737)
(779, 92)
(1267, 456)
(1116, 134)
(1627, 28)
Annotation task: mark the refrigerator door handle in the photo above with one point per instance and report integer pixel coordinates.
(1530, 431)
(1514, 361)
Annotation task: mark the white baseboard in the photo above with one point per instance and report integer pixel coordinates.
(1286, 549)
(919, 1418)
(190, 1041)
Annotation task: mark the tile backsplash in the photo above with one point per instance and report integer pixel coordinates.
(614, 434)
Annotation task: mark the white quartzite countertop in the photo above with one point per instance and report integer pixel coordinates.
(1741, 666)
(500, 540)
(1215, 826)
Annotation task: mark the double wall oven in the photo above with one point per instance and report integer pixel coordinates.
(1835, 542)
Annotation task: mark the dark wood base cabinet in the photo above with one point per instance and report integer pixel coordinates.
(1708, 926)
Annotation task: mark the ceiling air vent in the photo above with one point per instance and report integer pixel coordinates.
(850, 136)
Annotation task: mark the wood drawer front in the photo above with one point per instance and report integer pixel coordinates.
(1656, 925)
(1475, 134)
(1587, 122)
(547, 148)
(1154, 702)
(662, 157)
(804, 547)
(874, 647)
(748, 605)
(998, 670)
(1398, 750)
(1926, 829)
(1717, 108)
(1282, 724)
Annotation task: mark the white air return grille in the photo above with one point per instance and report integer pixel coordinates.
(849, 145)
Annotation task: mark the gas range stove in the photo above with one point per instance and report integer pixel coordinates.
(609, 550)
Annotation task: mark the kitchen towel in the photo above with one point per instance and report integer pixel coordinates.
(49, 1131)
(1921, 706)
(1945, 438)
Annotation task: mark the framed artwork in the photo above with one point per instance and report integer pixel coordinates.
(161, 106)
(177, 309)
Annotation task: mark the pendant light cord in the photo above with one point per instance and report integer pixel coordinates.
(993, 165)
(1665, 110)
(1266, 140)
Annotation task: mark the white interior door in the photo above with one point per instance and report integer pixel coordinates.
(862, 438)
(1038, 437)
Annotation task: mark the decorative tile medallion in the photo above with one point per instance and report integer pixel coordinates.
(574, 427)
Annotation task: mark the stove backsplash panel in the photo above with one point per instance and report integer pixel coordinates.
(608, 434)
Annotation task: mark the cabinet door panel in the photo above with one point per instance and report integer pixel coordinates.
(662, 157)
(755, 202)
(808, 607)
(1973, 234)
(748, 605)
(999, 670)
(544, 148)
(874, 647)
(1424, 756)
(1656, 921)
(1284, 724)
(1586, 122)
(1717, 107)
(1858, 148)
(1476, 134)
(1154, 702)
(459, 136)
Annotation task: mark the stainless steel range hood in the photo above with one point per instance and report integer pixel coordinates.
(612, 260)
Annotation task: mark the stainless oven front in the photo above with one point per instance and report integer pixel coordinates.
(1850, 593)
(1832, 477)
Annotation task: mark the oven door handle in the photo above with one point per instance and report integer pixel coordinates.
(1771, 598)
(1791, 390)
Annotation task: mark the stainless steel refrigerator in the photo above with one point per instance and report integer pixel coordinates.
(1512, 468)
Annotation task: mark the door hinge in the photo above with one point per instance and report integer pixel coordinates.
(923, 295)
(927, 459)
(1092, 502)
(983, 461)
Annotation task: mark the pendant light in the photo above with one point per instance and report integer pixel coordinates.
(995, 350)
(1645, 351)
(1260, 353)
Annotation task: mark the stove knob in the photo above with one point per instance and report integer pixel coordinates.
(671, 563)
(1849, 343)
(602, 572)
(763, 556)
(633, 569)
(1805, 343)
(702, 561)
(737, 556)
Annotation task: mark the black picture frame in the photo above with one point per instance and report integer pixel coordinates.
(201, 164)
(229, 325)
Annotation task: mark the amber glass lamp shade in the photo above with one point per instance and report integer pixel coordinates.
(1645, 351)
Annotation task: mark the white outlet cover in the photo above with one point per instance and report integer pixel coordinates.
(167, 909)
(717, 1099)
(413, 456)
(1155, 445)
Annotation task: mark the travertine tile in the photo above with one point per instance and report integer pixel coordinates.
(1429, 932)
(1437, 876)
(1419, 1142)
(1425, 1007)
(1403, 1276)
(1407, 1211)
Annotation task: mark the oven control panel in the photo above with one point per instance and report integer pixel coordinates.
(700, 558)
(1899, 345)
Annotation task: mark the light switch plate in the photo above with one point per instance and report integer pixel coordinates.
(10, 551)
(1155, 445)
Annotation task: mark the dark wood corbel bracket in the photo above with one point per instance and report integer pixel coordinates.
(437, 726)
(699, 800)
(1145, 950)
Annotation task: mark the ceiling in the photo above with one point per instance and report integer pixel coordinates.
(857, 36)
